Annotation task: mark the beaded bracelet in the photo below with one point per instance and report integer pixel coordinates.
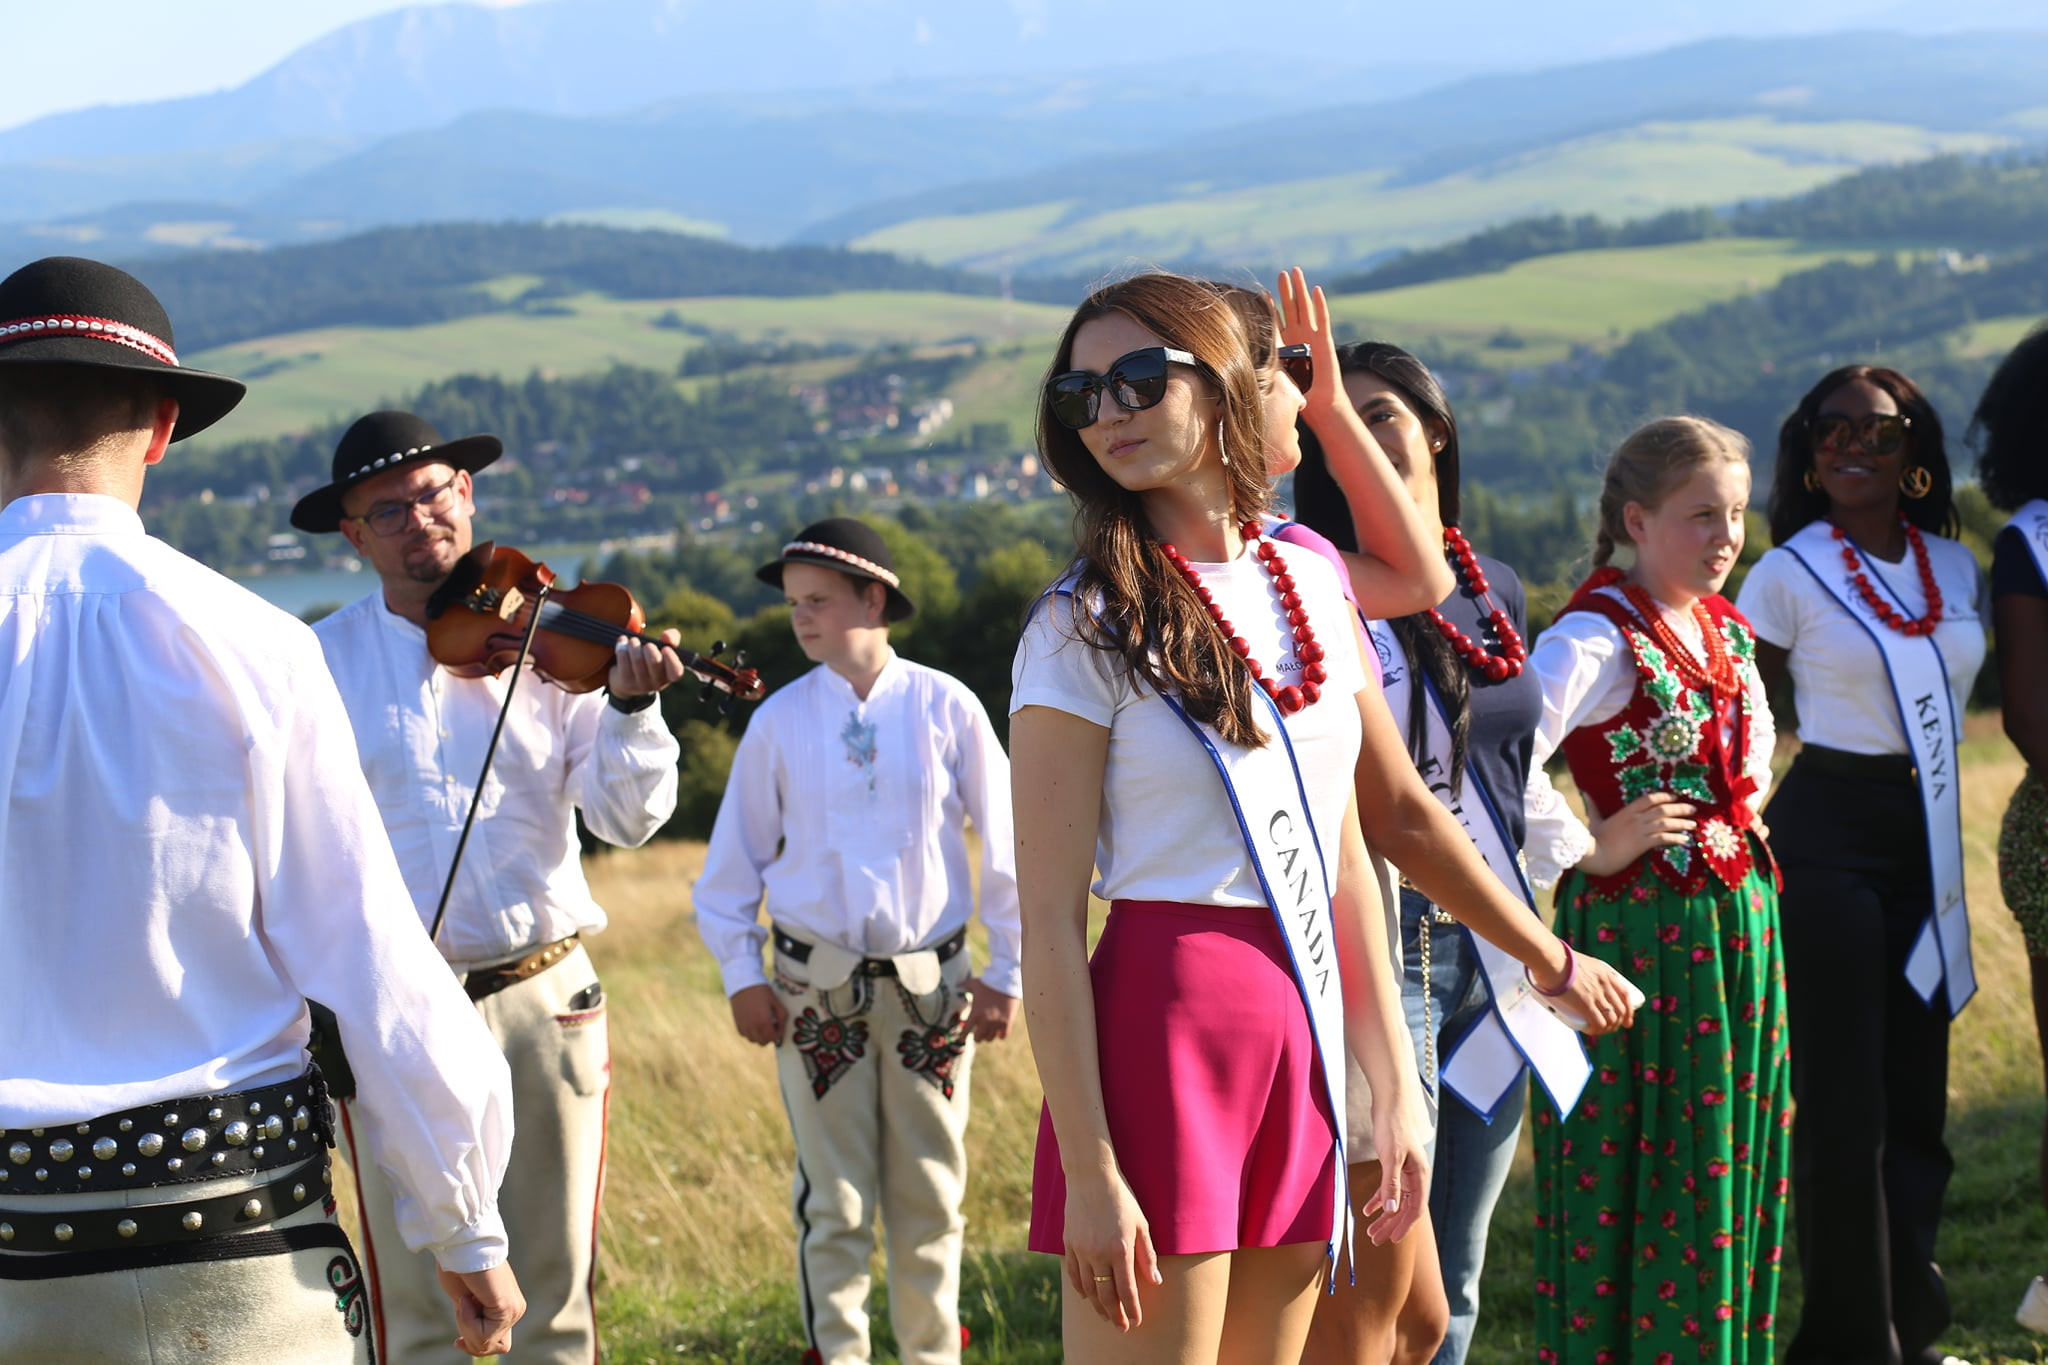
(1571, 973)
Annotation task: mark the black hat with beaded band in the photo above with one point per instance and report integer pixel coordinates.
(852, 547)
(71, 313)
(379, 443)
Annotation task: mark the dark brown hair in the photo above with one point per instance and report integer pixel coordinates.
(50, 412)
(1321, 506)
(1140, 608)
(1793, 504)
(1650, 463)
(2011, 426)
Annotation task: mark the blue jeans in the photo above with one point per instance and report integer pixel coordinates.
(1471, 1157)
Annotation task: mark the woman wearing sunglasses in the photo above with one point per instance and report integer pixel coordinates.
(1188, 709)
(1876, 617)
(2011, 425)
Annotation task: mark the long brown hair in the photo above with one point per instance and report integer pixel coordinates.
(1139, 607)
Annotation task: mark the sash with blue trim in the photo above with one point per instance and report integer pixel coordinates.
(1940, 955)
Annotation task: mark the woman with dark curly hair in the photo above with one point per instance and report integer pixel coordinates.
(1876, 616)
(2011, 427)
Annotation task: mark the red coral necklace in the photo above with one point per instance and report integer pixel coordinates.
(1883, 610)
(1291, 697)
(1718, 673)
(1513, 653)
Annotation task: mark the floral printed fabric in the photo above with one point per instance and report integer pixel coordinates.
(2023, 862)
(1661, 1199)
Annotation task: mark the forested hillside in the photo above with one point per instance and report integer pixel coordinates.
(402, 277)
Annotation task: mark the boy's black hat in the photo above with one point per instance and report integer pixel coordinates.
(71, 313)
(852, 547)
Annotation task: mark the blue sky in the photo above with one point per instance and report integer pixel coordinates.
(69, 55)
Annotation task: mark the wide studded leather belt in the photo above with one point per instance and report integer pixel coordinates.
(488, 981)
(208, 1137)
(161, 1224)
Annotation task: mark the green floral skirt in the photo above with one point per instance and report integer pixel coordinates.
(1660, 1201)
(2023, 862)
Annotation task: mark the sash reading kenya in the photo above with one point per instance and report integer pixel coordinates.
(1267, 796)
(1483, 1065)
(1919, 679)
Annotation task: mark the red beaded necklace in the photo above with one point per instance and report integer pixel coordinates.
(1718, 673)
(1883, 610)
(1292, 697)
(1513, 654)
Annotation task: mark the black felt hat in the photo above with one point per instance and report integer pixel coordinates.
(852, 547)
(381, 442)
(68, 312)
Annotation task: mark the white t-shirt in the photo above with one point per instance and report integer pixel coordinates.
(1167, 830)
(1838, 675)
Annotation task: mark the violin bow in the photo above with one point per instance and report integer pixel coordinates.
(476, 798)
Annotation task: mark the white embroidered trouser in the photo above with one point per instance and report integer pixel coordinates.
(561, 1067)
(875, 1083)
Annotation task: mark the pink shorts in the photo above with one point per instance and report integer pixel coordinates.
(1215, 1099)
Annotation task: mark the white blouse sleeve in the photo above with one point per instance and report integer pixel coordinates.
(1763, 740)
(1587, 675)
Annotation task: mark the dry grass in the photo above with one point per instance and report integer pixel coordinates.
(697, 1237)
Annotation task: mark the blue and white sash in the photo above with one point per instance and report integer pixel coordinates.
(1919, 680)
(2032, 523)
(1271, 804)
(1482, 1067)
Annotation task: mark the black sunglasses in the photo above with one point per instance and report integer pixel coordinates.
(1300, 364)
(1880, 433)
(1137, 381)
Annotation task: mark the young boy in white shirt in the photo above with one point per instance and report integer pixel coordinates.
(846, 811)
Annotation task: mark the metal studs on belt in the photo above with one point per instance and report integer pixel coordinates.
(149, 1144)
(104, 1149)
(19, 1153)
(6, 1232)
(62, 1232)
(191, 1222)
(298, 1194)
(126, 1227)
(60, 1150)
(273, 1127)
(194, 1139)
(253, 1209)
(301, 1120)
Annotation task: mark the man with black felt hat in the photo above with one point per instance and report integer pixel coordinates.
(187, 850)
(845, 813)
(518, 906)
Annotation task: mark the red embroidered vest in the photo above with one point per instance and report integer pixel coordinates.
(1670, 738)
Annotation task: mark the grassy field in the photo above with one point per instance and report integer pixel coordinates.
(301, 379)
(698, 1244)
(1590, 298)
(1624, 174)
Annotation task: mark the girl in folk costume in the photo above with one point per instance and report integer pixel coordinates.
(1187, 717)
(1661, 1193)
(2012, 466)
(1876, 618)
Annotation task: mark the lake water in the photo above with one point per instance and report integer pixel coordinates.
(299, 591)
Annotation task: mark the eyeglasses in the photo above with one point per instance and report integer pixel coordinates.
(1300, 364)
(388, 519)
(1137, 381)
(1880, 433)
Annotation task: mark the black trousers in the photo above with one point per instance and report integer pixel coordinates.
(1869, 1062)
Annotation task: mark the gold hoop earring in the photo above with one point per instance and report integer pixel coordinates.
(1917, 482)
(1811, 480)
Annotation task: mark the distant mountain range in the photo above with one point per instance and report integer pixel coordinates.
(404, 118)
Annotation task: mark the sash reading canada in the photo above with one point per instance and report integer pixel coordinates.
(1484, 1065)
(1919, 680)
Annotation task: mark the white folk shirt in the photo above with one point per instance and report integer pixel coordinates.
(188, 851)
(422, 733)
(1589, 677)
(848, 816)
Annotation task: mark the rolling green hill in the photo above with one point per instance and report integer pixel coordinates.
(1341, 219)
(299, 380)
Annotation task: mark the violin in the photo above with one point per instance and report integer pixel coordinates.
(478, 621)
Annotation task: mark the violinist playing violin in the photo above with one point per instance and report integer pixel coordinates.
(516, 905)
